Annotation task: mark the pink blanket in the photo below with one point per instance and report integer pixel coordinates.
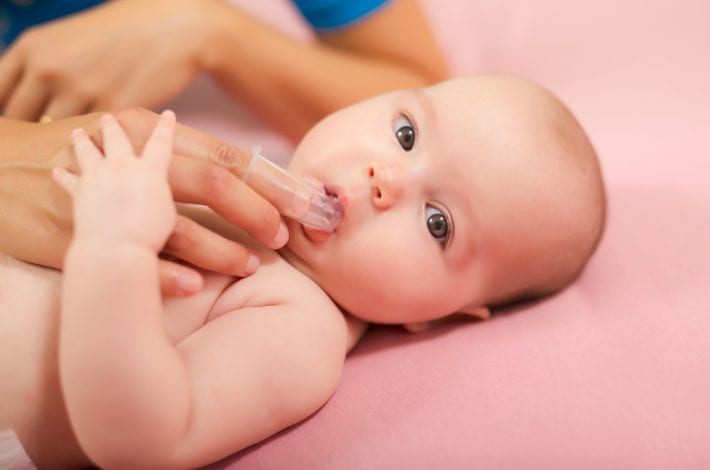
(615, 371)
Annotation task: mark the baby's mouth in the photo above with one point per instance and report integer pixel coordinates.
(337, 194)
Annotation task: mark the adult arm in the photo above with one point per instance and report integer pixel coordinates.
(292, 84)
(79, 64)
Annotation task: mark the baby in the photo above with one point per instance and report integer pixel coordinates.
(458, 198)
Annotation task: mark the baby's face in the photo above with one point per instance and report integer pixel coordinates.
(446, 191)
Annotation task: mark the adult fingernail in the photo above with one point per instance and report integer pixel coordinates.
(252, 265)
(186, 284)
(282, 237)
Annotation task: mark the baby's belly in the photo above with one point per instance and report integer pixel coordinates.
(31, 402)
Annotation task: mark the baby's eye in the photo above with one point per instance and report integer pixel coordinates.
(404, 130)
(437, 224)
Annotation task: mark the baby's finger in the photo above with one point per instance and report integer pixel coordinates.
(68, 181)
(85, 149)
(177, 280)
(116, 143)
(159, 147)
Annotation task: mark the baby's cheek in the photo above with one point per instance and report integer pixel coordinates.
(376, 281)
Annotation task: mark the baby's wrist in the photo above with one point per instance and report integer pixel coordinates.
(101, 248)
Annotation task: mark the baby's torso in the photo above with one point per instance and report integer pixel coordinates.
(31, 403)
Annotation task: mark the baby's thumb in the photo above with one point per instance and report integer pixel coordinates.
(68, 181)
(178, 280)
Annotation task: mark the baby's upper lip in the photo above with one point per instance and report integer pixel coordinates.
(339, 193)
(332, 190)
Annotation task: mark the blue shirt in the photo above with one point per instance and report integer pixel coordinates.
(18, 15)
(333, 14)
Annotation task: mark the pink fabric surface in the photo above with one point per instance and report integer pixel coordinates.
(615, 371)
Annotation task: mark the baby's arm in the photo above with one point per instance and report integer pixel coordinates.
(120, 376)
(135, 399)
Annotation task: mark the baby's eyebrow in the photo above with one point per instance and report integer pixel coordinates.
(425, 102)
(465, 243)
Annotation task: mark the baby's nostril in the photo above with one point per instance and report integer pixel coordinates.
(371, 172)
(377, 193)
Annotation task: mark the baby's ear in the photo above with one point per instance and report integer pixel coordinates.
(418, 327)
(482, 313)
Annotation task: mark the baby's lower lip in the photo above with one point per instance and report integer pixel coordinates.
(315, 235)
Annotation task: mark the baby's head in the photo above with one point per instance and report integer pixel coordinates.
(474, 193)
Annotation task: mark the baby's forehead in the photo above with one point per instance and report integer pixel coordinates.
(494, 138)
(492, 88)
(492, 142)
(496, 105)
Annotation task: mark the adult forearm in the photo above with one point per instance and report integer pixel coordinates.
(293, 84)
(124, 384)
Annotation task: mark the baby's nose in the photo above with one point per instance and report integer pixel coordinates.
(387, 181)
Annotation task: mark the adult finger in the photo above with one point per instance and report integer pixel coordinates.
(10, 72)
(203, 182)
(201, 247)
(115, 142)
(187, 141)
(177, 280)
(195, 144)
(27, 99)
(65, 105)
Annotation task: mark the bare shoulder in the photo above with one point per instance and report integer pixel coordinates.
(312, 317)
(278, 283)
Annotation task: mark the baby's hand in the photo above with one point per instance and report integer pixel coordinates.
(122, 198)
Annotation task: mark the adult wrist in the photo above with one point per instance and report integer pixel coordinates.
(218, 24)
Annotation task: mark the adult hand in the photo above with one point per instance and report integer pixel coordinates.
(120, 54)
(36, 213)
